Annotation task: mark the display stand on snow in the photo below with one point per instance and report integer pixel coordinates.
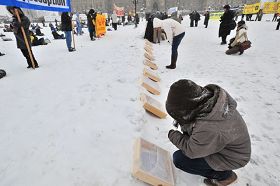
(149, 56)
(150, 64)
(152, 75)
(152, 164)
(150, 86)
(153, 106)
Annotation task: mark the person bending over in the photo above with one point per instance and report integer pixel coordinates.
(214, 139)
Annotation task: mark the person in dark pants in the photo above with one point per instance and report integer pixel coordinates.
(227, 24)
(66, 26)
(25, 23)
(278, 25)
(91, 18)
(206, 19)
(192, 19)
(149, 30)
(175, 33)
(196, 18)
(213, 138)
(275, 17)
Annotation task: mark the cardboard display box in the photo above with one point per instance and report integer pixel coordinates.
(152, 164)
(153, 106)
(150, 64)
(152, 75)
(150, 86)
(149, 56)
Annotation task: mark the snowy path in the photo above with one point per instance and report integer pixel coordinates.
(73, 121)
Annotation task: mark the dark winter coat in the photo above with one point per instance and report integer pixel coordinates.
(91, 17)
(206, 19)
(220, 137)
(227, 23)
(149, 30)
(16, 26)
(196, 16)
(66, 22)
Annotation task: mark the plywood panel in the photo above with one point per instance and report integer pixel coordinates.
(150, 74)
(153, 106)
(152, 164)
(150, 86)
(150, 64)
(149, 56)
(147, 42)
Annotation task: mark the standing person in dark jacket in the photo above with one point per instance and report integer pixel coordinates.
(91, 17)
(227, 24)
(196, 18)
(278, 25)
(214, 138)
(192, 18)
(66, 26)
(206, 19)
(16, 25)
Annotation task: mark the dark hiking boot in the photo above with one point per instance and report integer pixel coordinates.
(1, 54)
(226, 182)
(241, 52)
(170, 66)
(223, 43)
(71, 49)
(173, 63)
(29, 66)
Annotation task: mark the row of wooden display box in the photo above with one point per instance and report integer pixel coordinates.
(150, 83)
(152, 164)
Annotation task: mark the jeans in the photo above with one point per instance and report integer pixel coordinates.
(278, 25)
(68, 36)
(198, 166)
(175, 44)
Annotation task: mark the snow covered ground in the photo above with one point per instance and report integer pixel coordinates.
(73, 121)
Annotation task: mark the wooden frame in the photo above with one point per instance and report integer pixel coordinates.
(147, 42)
(153, 76)
(150, 64)
(159, 169)
(150, 86)
(148, 49)
(153, 106)
(149, 56)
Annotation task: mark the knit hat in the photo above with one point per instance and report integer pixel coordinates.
(184, 98)
(227, 7)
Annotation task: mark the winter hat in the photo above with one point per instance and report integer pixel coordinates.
(184, 98)
(157, 23)
(240, 23)
(227, 7)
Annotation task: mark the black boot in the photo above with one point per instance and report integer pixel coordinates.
(173, 62)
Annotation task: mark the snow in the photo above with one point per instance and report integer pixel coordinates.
(74, 120)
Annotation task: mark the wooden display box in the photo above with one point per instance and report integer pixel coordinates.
(152, 164)
(150, 64)
(153, 76)
(147, 42)
(150, 86)
(149, 56)
(153, 106)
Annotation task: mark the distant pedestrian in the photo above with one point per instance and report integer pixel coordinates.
(175, 33)
(114, 21)
(196, 18)
(91, 18)
(227, 24)
(78, 24)
(17, 29)
(66, 26)
(191, 19)
(206, 19)
(278, 25)
(275, 17)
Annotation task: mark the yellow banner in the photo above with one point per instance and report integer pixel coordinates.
(252, 9)
(278, 10)
(100, 25)
(216, 15)
(270, 7)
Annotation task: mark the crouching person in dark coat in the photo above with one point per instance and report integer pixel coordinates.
(214, 139)
(16, 26)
